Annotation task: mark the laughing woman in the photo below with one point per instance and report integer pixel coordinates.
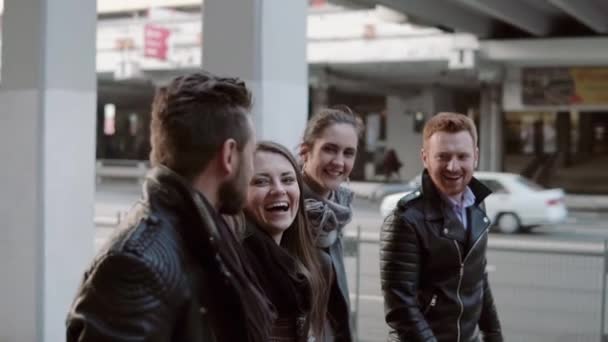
(328, 151)
(280, 246)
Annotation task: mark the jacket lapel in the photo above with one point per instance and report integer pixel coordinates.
(452, 227)
(478, 224)
(435, 211)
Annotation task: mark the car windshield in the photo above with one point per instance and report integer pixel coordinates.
(528, 183)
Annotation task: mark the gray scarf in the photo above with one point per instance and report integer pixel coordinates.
(327, 217)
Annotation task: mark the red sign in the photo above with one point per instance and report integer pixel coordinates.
(156, 42)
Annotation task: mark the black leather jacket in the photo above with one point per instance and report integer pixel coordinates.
(433, 274)
(155, 280)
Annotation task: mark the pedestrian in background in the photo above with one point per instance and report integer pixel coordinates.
(433, 246)
(391, 164)
(175, 271)
(328, 152)
(280, 246)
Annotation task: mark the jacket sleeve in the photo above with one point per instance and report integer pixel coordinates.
(399, 273)
(489, 323)
(123, 299)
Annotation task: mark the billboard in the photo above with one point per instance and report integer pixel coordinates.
(156, 42)
(565, 86)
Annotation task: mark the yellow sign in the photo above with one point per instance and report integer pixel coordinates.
(591, 85)
(565, 86)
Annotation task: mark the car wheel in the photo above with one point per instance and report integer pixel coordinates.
(508, 223)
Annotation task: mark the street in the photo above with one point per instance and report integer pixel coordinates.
(553, 297)
(115, 197)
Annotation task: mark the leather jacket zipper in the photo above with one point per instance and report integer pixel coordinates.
(461, 273)
(431, 305)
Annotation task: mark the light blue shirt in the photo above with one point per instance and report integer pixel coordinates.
(460, 207)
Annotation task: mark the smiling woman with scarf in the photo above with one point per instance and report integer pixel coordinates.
(280, 246)
(328, 152)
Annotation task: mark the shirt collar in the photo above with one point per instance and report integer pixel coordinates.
(468, 199)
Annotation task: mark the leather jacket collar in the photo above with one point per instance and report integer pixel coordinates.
(208, 238)
(433, 208)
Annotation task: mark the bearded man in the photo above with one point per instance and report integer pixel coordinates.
(175, 271)
(433, 245)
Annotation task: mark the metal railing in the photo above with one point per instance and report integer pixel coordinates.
(553, 291)
(550, 291)
(121, 168)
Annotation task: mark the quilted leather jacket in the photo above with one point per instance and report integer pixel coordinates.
(433, 271)
(155, 281)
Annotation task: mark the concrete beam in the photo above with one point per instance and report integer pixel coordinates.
(547, 52)
(354, 4)
(440, 12)
(347, 82)
(514, 13)
(585, 12)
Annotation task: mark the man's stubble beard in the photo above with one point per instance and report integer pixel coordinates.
(233, 194)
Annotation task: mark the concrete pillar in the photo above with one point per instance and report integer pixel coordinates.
(100, 136)
(47, 145)
(400, 128)
(564, 125)
(585, 135)
(491, 143)
(443, 99)
(319, 92)
(319, 98)
(539, 137)
(264, 43)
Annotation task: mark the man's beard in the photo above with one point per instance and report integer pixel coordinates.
(233, 194)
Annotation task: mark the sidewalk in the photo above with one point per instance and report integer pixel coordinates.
(375, 191)
(126, 193)
(587, 202)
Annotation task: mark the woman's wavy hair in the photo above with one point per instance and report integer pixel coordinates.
(299, 242)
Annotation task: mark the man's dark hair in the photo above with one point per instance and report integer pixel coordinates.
(193, 116)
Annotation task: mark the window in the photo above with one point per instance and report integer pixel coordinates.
(109, 119)
(529, 184)
(495, 186)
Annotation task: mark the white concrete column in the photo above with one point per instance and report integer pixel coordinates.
(491, 129)
(400, 128)
(47, 148)
(264, 43)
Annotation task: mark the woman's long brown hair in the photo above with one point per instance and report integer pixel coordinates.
(298, 241)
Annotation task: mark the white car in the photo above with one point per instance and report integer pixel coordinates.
(516, 204)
